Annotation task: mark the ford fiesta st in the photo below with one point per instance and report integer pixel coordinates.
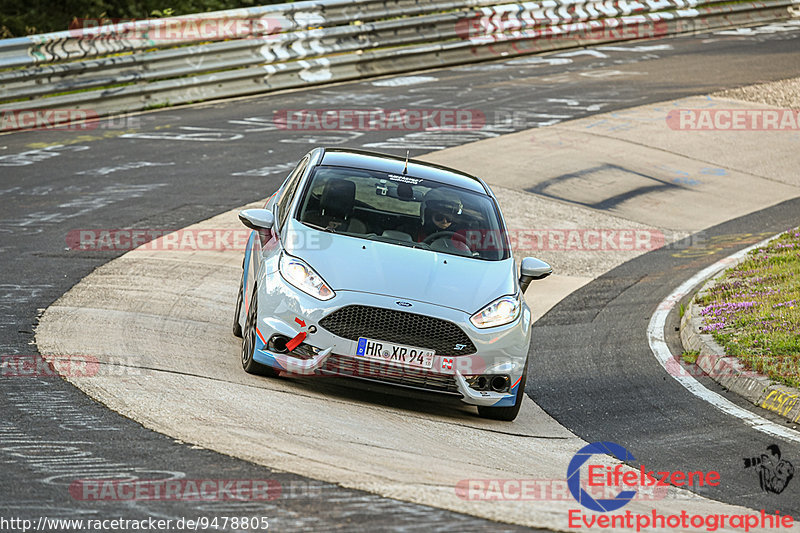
(381, 268)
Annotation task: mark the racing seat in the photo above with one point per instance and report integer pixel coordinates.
(336, 208)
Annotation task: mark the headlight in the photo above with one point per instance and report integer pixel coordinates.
(298, 273)
(499, 312)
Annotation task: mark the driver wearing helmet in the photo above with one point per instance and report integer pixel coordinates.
(440, 210)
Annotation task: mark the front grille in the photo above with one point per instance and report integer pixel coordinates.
(379, 371)
(354, 321)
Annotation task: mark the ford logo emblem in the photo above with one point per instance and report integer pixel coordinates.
(403, 304)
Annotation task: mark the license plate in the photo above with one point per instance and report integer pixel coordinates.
(398, 354)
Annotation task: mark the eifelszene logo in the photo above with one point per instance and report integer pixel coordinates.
(603, 475)
(774, 473)
(606, 479)
(574, 477)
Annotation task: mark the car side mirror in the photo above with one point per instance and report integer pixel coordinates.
(531, 269)
(257, 219)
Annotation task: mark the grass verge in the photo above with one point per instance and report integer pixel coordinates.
(690, 356)
(753, 310)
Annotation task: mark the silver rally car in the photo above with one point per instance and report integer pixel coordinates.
(381, 268)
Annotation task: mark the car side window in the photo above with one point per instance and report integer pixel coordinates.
(288, 192)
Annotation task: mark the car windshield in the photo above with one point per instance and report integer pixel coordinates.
(405, 211)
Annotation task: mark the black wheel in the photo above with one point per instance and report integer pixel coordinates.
(507, 413)
(237, 328)
(249, 343)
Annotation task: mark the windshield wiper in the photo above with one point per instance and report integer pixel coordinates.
(392, 240)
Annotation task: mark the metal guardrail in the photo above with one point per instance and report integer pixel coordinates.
(85, 43)
(142, 64)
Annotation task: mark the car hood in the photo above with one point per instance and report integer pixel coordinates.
(355, 264)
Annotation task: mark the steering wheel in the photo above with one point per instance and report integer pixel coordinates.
(452, 241)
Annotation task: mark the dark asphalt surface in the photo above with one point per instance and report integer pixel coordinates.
(171, 168)
(592, 369)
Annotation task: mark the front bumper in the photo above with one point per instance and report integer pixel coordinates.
(290, 313)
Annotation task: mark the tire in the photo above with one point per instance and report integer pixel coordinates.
(509, 413)
(237, 328)
(249, 343)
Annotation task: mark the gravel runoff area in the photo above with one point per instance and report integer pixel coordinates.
(784, 93)
(753, 310)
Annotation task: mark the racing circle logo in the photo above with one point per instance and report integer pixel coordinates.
(574, 477)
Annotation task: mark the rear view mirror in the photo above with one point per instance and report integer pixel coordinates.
(257, 219)
(532, 269)
(403, 191)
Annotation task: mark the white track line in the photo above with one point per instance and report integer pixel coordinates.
(655, 335)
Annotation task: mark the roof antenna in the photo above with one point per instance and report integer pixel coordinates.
(405, 168)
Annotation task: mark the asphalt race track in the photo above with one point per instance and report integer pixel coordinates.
(171, 168)
(594, 345)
